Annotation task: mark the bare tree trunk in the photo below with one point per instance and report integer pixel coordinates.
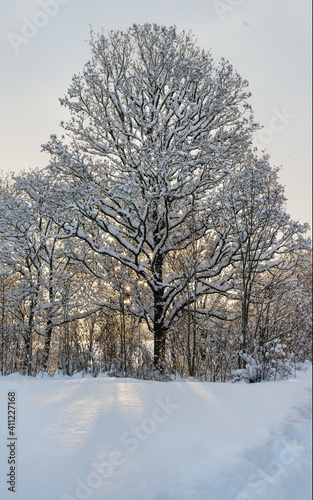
(159, 332)
(46, 349)
(123, 333)
(244, 328)
(27, 364)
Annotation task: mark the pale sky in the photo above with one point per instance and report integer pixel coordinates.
(44, 42)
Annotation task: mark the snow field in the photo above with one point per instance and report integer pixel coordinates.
(124, 439)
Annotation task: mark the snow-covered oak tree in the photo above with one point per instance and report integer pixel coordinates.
(155, 126)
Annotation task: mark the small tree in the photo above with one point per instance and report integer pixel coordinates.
(254, 203)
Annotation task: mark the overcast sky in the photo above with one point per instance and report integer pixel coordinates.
(44, 42)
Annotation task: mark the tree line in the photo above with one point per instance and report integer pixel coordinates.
(156, 241)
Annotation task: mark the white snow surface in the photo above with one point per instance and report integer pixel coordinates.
(124, 439)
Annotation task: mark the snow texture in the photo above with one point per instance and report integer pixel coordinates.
(123, 439)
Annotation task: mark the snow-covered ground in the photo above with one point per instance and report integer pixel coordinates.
(124, 439)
